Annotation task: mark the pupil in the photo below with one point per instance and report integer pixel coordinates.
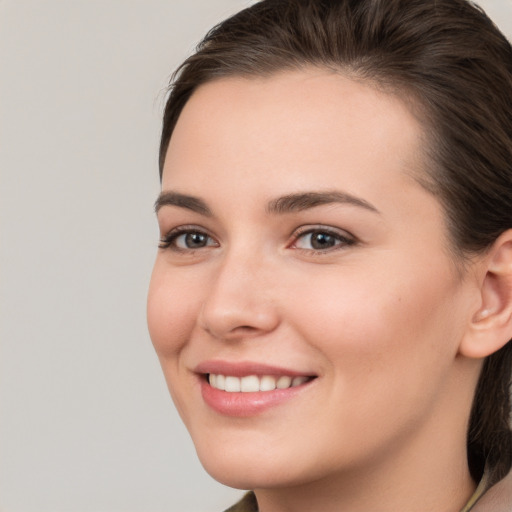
(322, 240)
(194, 240)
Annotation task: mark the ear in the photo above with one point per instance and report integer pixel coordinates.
(491, 325)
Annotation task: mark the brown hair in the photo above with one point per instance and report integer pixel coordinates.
(456, 66)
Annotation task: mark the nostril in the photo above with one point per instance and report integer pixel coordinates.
(227, 317)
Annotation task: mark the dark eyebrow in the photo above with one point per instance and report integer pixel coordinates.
(182, 201)
(304, 201)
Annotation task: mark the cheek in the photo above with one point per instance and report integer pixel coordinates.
(171, 314)
(171, 311)
(381, 320)
(387, 342)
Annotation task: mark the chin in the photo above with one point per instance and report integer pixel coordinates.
(242, 466)
(239, 468)
(244, 478)
(252, 466)
(250, 475)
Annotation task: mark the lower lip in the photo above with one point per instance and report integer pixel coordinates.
(246, 404)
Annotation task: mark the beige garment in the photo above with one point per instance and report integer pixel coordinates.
(497, 498)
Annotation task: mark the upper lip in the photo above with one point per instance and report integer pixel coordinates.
(245, 368)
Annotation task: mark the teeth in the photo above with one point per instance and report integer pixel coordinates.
(297, 381)
(233, 384)
(283, 382)
(267, 383)
(253, 383)
(220, 382)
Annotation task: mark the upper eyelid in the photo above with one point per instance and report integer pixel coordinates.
(184, 228)
(345, 238)
(300, 230)
(167, 237)
(308, 228)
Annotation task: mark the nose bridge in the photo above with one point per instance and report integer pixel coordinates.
(239, 300)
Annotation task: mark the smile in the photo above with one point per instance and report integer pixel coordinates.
(254, 383)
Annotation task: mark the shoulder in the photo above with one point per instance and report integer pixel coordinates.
(247, 504)
(498, 498)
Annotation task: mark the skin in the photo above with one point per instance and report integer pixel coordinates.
(379, 320)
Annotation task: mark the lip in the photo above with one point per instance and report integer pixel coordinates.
(252, 403)
(245, 368)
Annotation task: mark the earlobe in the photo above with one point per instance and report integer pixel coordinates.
(491, 325)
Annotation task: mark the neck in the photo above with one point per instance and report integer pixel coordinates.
(441, 487)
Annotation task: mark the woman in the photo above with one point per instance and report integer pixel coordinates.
(332, 298)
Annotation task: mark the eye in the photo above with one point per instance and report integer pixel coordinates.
(187, 239)
(322, 240)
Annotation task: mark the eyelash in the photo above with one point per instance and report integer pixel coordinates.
(168, 241)
(341, 240)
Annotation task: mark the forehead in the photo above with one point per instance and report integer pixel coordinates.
(308, 123)
(298, 97)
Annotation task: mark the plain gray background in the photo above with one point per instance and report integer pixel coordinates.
(86, 424)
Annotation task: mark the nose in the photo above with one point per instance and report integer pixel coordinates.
(240, 302)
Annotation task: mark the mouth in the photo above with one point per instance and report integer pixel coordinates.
(249, 389)
(255, 383)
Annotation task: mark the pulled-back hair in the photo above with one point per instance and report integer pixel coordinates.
(453, 67)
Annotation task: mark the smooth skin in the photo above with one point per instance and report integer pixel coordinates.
(362, 292)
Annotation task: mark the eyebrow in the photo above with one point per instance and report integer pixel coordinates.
(285, 204)
(182, 201)
(303, 201)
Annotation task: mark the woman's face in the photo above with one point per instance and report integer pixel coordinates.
(299, 252)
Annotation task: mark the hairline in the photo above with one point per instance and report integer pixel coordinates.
(427, 162)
